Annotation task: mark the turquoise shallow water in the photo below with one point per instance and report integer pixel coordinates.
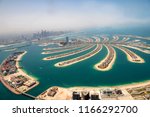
(80, 74)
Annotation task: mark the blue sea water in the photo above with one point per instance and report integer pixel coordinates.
(82, 73)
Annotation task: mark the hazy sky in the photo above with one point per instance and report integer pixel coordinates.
(34, 15)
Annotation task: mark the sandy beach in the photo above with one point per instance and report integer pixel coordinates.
(20, 71)
(66, 93)
(125, 86)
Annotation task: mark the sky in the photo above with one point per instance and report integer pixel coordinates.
(18, 16)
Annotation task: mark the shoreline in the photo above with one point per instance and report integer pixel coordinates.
(121, 86)
(22, 71)
(64, 93)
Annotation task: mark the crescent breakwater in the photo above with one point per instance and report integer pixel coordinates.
(13, 77)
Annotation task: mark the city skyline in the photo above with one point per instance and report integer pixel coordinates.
(30, 15)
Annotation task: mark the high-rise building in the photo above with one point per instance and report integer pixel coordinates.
(67, 40)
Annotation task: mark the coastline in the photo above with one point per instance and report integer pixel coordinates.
(122, 86)
(66, 93)
(22, 70)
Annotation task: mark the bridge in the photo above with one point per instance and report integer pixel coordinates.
(29, 95)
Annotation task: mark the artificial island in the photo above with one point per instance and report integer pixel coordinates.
(19, 82)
